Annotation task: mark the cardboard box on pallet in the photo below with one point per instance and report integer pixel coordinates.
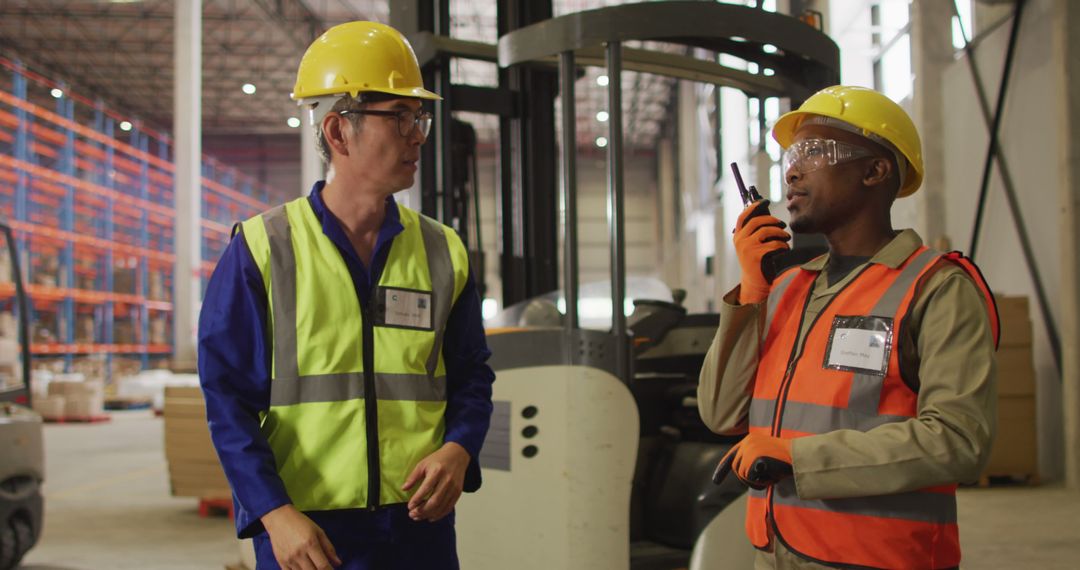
(83, 399)
(50, 407)
(194, 469)
(1014, 451)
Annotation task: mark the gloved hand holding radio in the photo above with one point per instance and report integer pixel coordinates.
(758, 460)
(757, 234)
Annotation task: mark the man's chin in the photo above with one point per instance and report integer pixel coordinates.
(801, 226)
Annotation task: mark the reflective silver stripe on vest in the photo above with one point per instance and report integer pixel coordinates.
(283, 286)
(865, 395)
(441, 270)
(775, 295)
(761, 413)
(758, 493)
(350, 386)
(288, 387)
(817, 418)
(936, 508)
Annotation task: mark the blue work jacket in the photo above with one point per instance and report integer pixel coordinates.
(234, 370)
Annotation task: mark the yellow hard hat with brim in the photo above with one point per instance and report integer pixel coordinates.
(357, 57)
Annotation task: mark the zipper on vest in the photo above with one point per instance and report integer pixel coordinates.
(785, 388)
(371, 410)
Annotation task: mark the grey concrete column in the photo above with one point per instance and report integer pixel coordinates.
(187, 134)
(1066, 53)
(931, 53)
(312, 167)
(667, 219)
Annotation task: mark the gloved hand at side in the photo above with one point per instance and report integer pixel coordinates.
(758, 460)
(755, 236)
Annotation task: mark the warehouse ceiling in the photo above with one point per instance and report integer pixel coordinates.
(122, 52)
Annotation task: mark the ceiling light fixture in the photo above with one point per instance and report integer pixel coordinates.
(602, 116)
(602, 80)
(57, 93)
(601, 142)
(248, 88)
(293, 122)
(125, 126)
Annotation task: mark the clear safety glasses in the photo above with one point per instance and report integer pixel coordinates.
(407, 121)
(809, 155)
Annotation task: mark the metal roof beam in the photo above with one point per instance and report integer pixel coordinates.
(293, 18)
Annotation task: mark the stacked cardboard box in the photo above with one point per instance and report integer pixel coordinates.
(124, 332)
(1014, 451)
(10, 369)
(156, 288)
(159, 330)
(85, 329)
(124, 280)
(194, 470)
(71, 396)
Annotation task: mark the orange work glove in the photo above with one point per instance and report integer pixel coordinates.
(758, 460)
(755, 236)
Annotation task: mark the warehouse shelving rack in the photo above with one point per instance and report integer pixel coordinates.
(89, 194)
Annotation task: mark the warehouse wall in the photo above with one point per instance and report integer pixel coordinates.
(1029, 132)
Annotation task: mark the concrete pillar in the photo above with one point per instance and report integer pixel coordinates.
(931, 54)
(312, 167)
(187, 134)
(1066, 53)
(670, 220)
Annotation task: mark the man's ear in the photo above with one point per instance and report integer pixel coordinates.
(336, 133)
(878, 172)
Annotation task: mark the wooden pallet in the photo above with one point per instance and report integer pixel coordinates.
(95, 419)
(1009, 480)
(128, 403)
(209, 506)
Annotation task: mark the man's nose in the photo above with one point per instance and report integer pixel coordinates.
(792, 175)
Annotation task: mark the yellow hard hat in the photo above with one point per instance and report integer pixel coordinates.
(355, 57)
(873, 115)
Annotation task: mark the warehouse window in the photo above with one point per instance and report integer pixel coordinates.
(961, 27)
(891, 31)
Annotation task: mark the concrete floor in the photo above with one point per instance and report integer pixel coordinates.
(108, 507)
(107, 503)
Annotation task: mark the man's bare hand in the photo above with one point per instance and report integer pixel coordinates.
(298, 543)
(443, 476)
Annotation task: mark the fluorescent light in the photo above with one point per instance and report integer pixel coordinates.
(602, 116)
(125, 126)
(768, 48)
(489, 308)
(57, 93)
(601, 142)
(602, 80)
(293, 122)
(248, 88)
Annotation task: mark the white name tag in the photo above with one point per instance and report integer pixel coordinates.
(405, 308)
(853, 348)
(860, 344)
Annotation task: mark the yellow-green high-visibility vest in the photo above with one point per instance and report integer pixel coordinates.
(357, 394)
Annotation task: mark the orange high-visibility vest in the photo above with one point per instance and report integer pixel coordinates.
(816, 388)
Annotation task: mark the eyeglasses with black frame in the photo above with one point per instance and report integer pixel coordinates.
(407, 120)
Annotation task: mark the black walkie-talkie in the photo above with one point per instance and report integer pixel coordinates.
(770, 266)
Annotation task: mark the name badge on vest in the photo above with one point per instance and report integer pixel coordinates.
(404, 308)
(860, 344)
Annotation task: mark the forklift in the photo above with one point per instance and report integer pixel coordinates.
(22, 454)
(596, 456)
